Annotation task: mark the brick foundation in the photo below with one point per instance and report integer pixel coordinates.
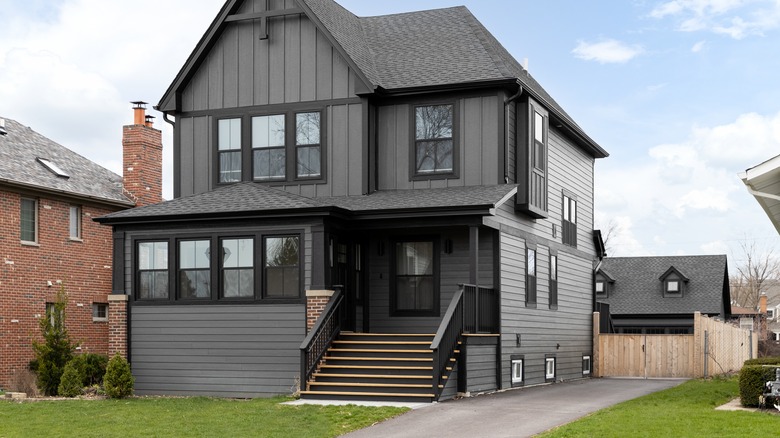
(316, 300)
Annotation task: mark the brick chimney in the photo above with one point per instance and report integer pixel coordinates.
(142, 158)
(762, 303)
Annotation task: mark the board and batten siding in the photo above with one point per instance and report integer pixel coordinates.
(216, 350)
(454, 270)
(477, 145)
(296, 63)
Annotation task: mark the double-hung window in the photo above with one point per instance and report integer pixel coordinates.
(530, 277)
(29, 220)
(268, 147)
(307, 145)
(569, 224)
(194, 269)
(553, 281)
(237, 268)
(414, 285)
(153, 270)
(434, 149)
(282, 267)
(229, 147)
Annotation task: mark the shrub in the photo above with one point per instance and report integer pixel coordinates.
(23, 380)
(774, 360)
(752, 381)
(94, 368)
(56, 349)
(118, 381)
(71, 383)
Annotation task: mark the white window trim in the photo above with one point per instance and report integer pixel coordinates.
(586, 370)
(549, 361)
(517, 363)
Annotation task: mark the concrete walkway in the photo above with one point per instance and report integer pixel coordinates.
(515, 413)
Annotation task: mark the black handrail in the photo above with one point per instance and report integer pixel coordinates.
(446, 340)
(325, 329)
(481, 309)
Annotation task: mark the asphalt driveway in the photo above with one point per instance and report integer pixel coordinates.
(516, 413)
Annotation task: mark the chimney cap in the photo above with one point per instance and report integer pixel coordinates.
(139, 104)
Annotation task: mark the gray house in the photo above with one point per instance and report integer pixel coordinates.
(659, 295)
(381, 207)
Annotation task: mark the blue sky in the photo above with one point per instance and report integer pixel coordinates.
(683, 94)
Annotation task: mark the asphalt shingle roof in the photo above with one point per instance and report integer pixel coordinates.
(248, 197)
(20, 149)
(637, 287)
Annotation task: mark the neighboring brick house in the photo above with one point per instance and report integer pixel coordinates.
(48, 198)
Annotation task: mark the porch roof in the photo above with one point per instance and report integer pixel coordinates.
(251, 199)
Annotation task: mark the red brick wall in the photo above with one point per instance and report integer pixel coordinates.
(142, 161)
(315, 304)
(84, 267)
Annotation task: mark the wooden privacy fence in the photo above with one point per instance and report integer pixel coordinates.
(714, 348)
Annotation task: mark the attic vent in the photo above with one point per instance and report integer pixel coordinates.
(2, 127)
(53, 168)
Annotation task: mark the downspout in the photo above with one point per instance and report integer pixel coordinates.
(171, 122)
(506, 124)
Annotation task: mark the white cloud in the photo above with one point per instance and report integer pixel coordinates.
(698, 47)
(607, 51)
(735, 18)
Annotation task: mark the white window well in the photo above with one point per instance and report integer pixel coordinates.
(549, 368)
(517, 371)
(586, 365)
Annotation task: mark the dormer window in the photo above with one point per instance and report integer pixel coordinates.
(601, 287)
(673, 282)
(604, 283)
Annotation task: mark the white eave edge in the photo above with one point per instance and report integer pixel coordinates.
(767, 169)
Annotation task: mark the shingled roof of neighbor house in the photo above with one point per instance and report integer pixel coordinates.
(413, 50)
(248, 197)
(31, 161)
(638, 289)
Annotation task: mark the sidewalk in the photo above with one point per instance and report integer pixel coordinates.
(515, 413)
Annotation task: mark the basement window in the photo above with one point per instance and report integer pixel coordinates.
(586, 365)
(518, 371)
(53, 168)
(549, 368)
(99, 312)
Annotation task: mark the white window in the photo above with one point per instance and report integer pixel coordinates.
(99, 312)
(517, 371)
(770, 313)
(586, 365)
(776, 336)
(29, 220)
(672, 286)
(549, 368)
(75, 222)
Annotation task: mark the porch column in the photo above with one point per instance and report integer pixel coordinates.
(473, 254)
(318, 259)
(316, 300)
(117, 325)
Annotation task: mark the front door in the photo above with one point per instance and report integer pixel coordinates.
(348, 273)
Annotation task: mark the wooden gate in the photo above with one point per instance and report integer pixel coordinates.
(645, 355)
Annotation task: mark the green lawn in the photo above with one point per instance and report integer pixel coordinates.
(687, 410)
(170, 417)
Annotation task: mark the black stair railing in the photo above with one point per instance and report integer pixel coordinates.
(481, 309)
(325, 330)
(446, 340)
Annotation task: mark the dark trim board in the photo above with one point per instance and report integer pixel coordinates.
(271, 108)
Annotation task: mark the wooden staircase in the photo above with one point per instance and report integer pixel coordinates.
(376, 366)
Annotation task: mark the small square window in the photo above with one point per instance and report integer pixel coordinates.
(549, 368)
(517, 371)
(600, 289)
(672, 286)
(99, 312)
(586, 365)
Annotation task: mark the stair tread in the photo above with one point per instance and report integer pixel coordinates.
(373, 376)
(388, 359)
(375, 350)
(388, 334)
(378, 385)
(374, 367)
(341, 341)
(372, 394)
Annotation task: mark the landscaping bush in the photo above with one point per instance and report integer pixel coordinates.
(72, 380)
(773, 360)
(118, 381)
(94, 368)
(752, 381)
(56, 349)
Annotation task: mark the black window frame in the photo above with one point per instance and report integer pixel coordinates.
(137, 271)
(554, 264)
(179, 269)
(242, 140)
(532, 159)
(394, 311)
(290, 113)
(453, 173)
(264, 290)
(531, 276)
(221, 267)
(255, 149)
(569, 213)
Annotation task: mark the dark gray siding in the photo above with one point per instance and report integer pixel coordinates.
(481, 363)
(213, 350)
(477, 127)
(511, 139)
(454, 270)
(295, 64)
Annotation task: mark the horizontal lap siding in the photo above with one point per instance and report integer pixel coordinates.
(481, 363)
(233, 351)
